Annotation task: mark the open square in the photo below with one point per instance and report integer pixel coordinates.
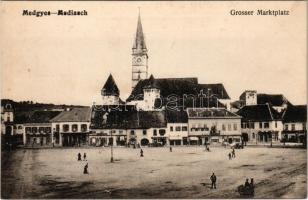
(183, 173)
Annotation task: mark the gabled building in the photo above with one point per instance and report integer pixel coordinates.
(295, 124)
(260, 123)
(71, 127)
(155, 94)
(213, 125)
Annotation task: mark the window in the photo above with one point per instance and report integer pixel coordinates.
(48, 129)
(171, 128)
(154, 132)
(132, 132)
(266, 125)
(177, 128)
(229, 127)
(251, 125)
(57, 127)
(41, 129)
(162, 132)
(293, 127)
(34, 129)
(74, 127)
(184, 128)
(66, 127)
(286, 127)
(84, 128)
(260, 124)
(28, 129)
(223, 127)
(235, 127)
(275, 124)
(144, 132)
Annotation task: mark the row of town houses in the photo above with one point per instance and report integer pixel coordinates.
(161, 111)
(154, 119)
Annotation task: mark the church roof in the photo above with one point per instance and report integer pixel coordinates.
(179, 87)
(110, 87)
(139, 42)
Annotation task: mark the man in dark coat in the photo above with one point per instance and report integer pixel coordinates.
(85, 169)
(213, 180)
(79, 157)
(141, 153)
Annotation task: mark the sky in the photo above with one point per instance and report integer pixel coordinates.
(67, 59)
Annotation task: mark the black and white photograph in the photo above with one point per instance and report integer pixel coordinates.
(153, 99)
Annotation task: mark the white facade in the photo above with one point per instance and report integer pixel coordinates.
(177, 133)
(110, 100)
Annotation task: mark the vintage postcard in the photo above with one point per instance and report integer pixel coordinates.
(153, 99)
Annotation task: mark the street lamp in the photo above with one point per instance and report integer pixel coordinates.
(111, 147)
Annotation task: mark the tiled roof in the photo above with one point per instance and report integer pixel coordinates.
(176, 116)
(179, 87)
(127, 119)
(110, 87)
(296, 113)
(35, 117)
(210, 113)
(271, 99)
(262, 112)
(74, 115)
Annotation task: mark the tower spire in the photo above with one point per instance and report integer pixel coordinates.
(139, 42)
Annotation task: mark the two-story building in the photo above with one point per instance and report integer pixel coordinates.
(213, 125)
(295, 124)
(71, 127)
(260, 123)
(177, 127)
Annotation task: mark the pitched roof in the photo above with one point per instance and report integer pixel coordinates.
(127, 119)
(110, 87)
(179, 87)
(139, 42)
(259, 113)
(35, 116)
(271, 99)
(210, 113)
(74, 115)
(176, 116)
(296, 113)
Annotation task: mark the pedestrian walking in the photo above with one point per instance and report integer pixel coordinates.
(233, 153)
(213, 180)
(230, 157)
(85, 169)
(85, 156)
(79, 157)
(170, 149)
(141, 153)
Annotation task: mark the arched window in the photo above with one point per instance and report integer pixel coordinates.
(65, 127)
(74, 127)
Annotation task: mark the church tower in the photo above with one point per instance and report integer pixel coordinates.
(139, 56)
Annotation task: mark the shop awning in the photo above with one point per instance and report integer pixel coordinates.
(193, 138)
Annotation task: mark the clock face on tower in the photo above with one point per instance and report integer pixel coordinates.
(137, 61)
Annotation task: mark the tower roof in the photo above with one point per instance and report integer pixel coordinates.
(139, 42)
(110, 87)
